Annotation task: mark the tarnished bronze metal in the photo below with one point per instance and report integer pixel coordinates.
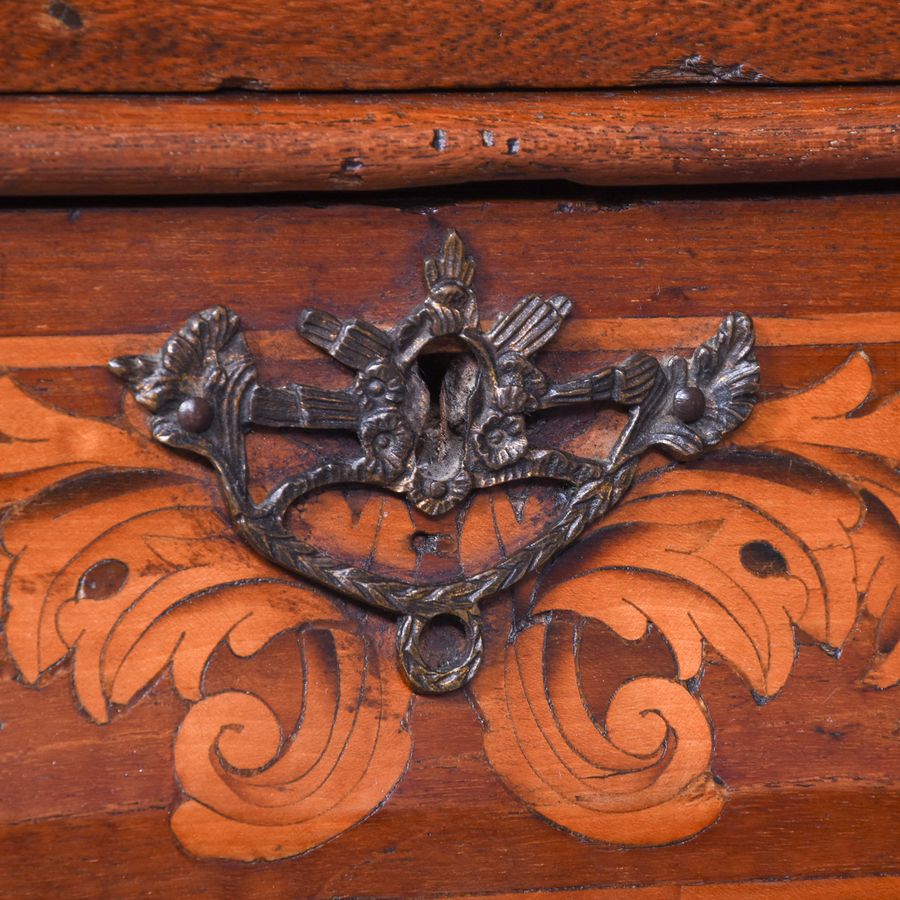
(195, 414)
(689, 404)
(203, 391)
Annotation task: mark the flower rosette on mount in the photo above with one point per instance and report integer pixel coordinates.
(387, 440)
(521, 384)
(500, 440)
(195, 388)
(436, 494)
(382, 384)
(693, 404)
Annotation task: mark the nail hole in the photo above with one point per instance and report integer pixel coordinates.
(439, 140)
(352, 165)
(428, 543)
(68, 15)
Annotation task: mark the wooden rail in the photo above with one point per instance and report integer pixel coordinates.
(265, 142)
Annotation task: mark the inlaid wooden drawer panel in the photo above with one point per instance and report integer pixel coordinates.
(142, 706)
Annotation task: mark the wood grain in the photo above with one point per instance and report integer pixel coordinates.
(116, 45)
(808, 778)
(639, 267)
(245, 143)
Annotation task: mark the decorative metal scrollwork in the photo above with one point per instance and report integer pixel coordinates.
(204, 394)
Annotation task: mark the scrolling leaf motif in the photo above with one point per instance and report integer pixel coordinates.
(793, 526)
(180, 586)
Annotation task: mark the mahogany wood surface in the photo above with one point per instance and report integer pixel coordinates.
(119, 45)
(142, 700)
(247, 143)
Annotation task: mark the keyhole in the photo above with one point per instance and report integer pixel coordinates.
(433, 367)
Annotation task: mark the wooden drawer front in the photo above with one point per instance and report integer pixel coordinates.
(143, 706)
(117, 45)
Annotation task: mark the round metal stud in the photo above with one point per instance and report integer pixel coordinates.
(689, 404)
(195, 414)
(437, 489)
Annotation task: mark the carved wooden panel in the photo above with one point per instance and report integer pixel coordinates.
(701, 689)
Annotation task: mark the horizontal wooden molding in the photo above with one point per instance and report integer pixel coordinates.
(246, 143)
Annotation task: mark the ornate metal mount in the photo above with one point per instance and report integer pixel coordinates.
(203, 391)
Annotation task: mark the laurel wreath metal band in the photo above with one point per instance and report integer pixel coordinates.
(204, 395)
